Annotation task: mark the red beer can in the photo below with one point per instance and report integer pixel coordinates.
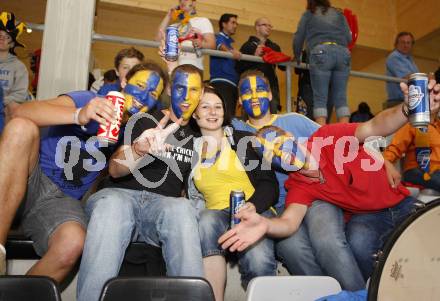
(110, 132)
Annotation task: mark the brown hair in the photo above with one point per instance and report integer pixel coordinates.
(313, 4)
(187, 68)
(402, 34)
(253, 72)
(148, 66)
(128, 53)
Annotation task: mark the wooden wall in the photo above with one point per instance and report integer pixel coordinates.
(379, 21)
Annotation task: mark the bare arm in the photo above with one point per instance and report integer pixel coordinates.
(383, 124)
(235, 53)
(208, 41)
(163, 25)
(55, 111)
(253, 227)
(390, 120)
(61, 110)
(288, 223)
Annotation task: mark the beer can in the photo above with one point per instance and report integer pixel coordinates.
(418, 100)
(172, 43)
(110, 132)
(236, 201)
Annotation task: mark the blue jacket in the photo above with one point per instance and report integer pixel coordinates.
(318, 28)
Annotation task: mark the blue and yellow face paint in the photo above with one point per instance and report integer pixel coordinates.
(186, 91)
(142, 91)
(254, 94)
(280, 149)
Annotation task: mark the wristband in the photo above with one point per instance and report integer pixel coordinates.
(76, 116)
(405, 111)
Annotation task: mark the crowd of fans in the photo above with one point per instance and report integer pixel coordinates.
(167, 181)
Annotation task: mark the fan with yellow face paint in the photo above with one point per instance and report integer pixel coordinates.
(142, 91)
(186, 91)
(255, 96)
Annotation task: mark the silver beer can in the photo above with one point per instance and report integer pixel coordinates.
(418, 100)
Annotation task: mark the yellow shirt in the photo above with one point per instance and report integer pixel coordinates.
(215, 181)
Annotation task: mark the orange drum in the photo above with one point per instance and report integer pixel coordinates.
(408, 268)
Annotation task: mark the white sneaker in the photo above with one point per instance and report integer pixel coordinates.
(2, 260)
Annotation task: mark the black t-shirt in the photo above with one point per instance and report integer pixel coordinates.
(165, 173)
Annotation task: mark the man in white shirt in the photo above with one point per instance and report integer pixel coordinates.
(185, 18)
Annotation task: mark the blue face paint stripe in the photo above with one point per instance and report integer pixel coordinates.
(153, 82)
(177, 97)
(245, 86)
(144, 95)
(261, 84)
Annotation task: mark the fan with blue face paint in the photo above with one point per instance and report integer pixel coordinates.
(255, 95)
(186, 90)
(142, 91)
(280, 149)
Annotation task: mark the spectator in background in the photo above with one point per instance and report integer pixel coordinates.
(305, 92)
(124, 61)
(189, 24)
(224, 77)
(362, 114)
(110, 76)
(254, 46)
(400, 63)
(327, 35)
(14, 77)
(421, 152)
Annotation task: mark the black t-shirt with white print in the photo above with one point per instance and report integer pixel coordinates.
(164, 173)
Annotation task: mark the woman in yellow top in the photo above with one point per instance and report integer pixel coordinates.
(422, 154)
(227, 161)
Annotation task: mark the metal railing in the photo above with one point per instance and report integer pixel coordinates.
(224, 54)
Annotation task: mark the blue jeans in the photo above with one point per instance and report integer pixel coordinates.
(119, 216)
(415, 176)
(329, 67)
(320, 247)
(258, 260)
(367, 233)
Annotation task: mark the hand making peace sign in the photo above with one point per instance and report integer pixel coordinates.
(153, 140)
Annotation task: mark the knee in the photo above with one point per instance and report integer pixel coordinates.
(258, 261)
(67, 244)
(21, 131)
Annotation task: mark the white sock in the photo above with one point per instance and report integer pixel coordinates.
(2, 249)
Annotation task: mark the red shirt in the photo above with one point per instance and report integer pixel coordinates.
(352, 186)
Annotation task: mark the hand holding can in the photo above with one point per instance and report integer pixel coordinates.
(418, 100)
(172, 43)
(110, 131)
(236, 201)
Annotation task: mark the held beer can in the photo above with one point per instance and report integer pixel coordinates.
(418, 100)
(172, 43)
(236, 201)
(110, 132)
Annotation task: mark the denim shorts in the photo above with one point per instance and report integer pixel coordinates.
(212, 225)
(45, 208)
